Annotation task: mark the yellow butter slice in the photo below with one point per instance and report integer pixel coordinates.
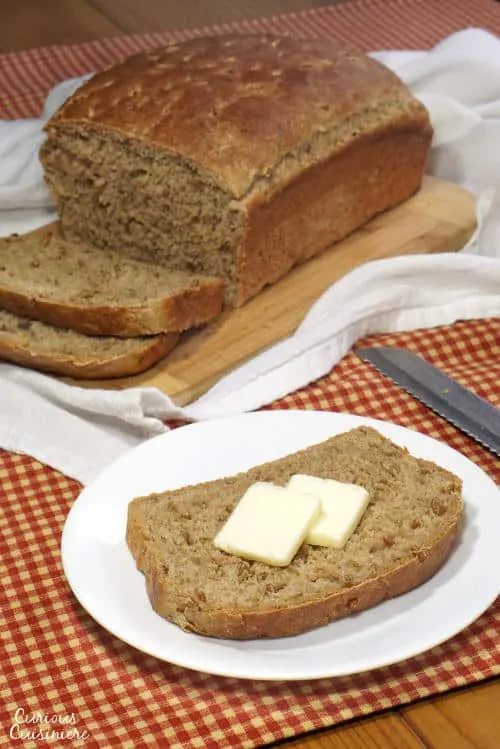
(342, 507)
(268, 524)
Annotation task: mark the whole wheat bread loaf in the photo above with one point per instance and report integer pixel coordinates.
(38, 346)
(234, 156)
(405, 535)
(73, 285)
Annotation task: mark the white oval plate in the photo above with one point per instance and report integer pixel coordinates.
(103, 576)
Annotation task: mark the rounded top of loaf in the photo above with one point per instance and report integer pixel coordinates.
(239, 106)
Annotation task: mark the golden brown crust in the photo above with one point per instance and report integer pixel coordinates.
(144, 355)
(335, 197)
(235, 106)
(187, 309)
(296, 619)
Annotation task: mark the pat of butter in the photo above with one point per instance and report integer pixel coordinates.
(342, 507)
(268, 524)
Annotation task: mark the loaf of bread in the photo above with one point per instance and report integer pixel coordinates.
(235, 156)
(75, 286)
(38, 346)
(404, 536)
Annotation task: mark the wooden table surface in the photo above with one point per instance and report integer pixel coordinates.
(466, 719)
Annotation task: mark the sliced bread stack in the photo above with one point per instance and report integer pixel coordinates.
(74, 310)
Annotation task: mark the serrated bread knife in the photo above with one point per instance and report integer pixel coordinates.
(461, 407)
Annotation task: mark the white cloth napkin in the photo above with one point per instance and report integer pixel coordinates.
(81, 431)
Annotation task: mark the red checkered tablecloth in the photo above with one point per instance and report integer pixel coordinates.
(56, 659)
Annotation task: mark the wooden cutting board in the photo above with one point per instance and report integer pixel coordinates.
(439, 218)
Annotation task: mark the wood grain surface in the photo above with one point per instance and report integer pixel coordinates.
(466, 719)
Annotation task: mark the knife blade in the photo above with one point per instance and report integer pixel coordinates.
(454, 402)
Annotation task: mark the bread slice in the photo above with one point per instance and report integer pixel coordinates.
(39, 346)
(75, 286)
(405, 535)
